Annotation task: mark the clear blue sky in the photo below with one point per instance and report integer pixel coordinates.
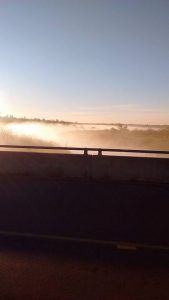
(85, 60)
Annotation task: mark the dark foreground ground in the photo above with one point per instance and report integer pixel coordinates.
(31, 270)
(123, 212)
(39, 269)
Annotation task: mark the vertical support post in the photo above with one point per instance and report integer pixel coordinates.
(85, 152)
(99, 152)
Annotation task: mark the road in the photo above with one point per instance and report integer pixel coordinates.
(67, 272)
(52, 270)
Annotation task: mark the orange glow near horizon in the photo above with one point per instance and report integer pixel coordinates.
(137, 114)
(4, 106)
(43, 132)
(33, 130)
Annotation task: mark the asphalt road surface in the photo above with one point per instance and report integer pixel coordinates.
(56, 270)
(67, 272)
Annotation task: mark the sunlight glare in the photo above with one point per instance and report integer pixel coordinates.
(34, 130)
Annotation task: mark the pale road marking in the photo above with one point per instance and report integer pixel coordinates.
(117, 245)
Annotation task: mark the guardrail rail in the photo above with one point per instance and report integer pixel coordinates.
(85, 150)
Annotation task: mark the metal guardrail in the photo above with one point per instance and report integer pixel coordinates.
(86, 150)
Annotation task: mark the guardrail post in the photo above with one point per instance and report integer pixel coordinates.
(99, 152)
(85, 152)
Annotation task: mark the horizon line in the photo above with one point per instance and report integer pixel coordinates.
(24, 118)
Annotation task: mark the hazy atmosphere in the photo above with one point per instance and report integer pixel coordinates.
(58, 133)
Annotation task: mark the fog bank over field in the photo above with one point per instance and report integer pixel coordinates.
(84, 135)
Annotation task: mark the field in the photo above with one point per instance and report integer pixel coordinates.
(50, 133)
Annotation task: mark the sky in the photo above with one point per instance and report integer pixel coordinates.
(85, 60)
